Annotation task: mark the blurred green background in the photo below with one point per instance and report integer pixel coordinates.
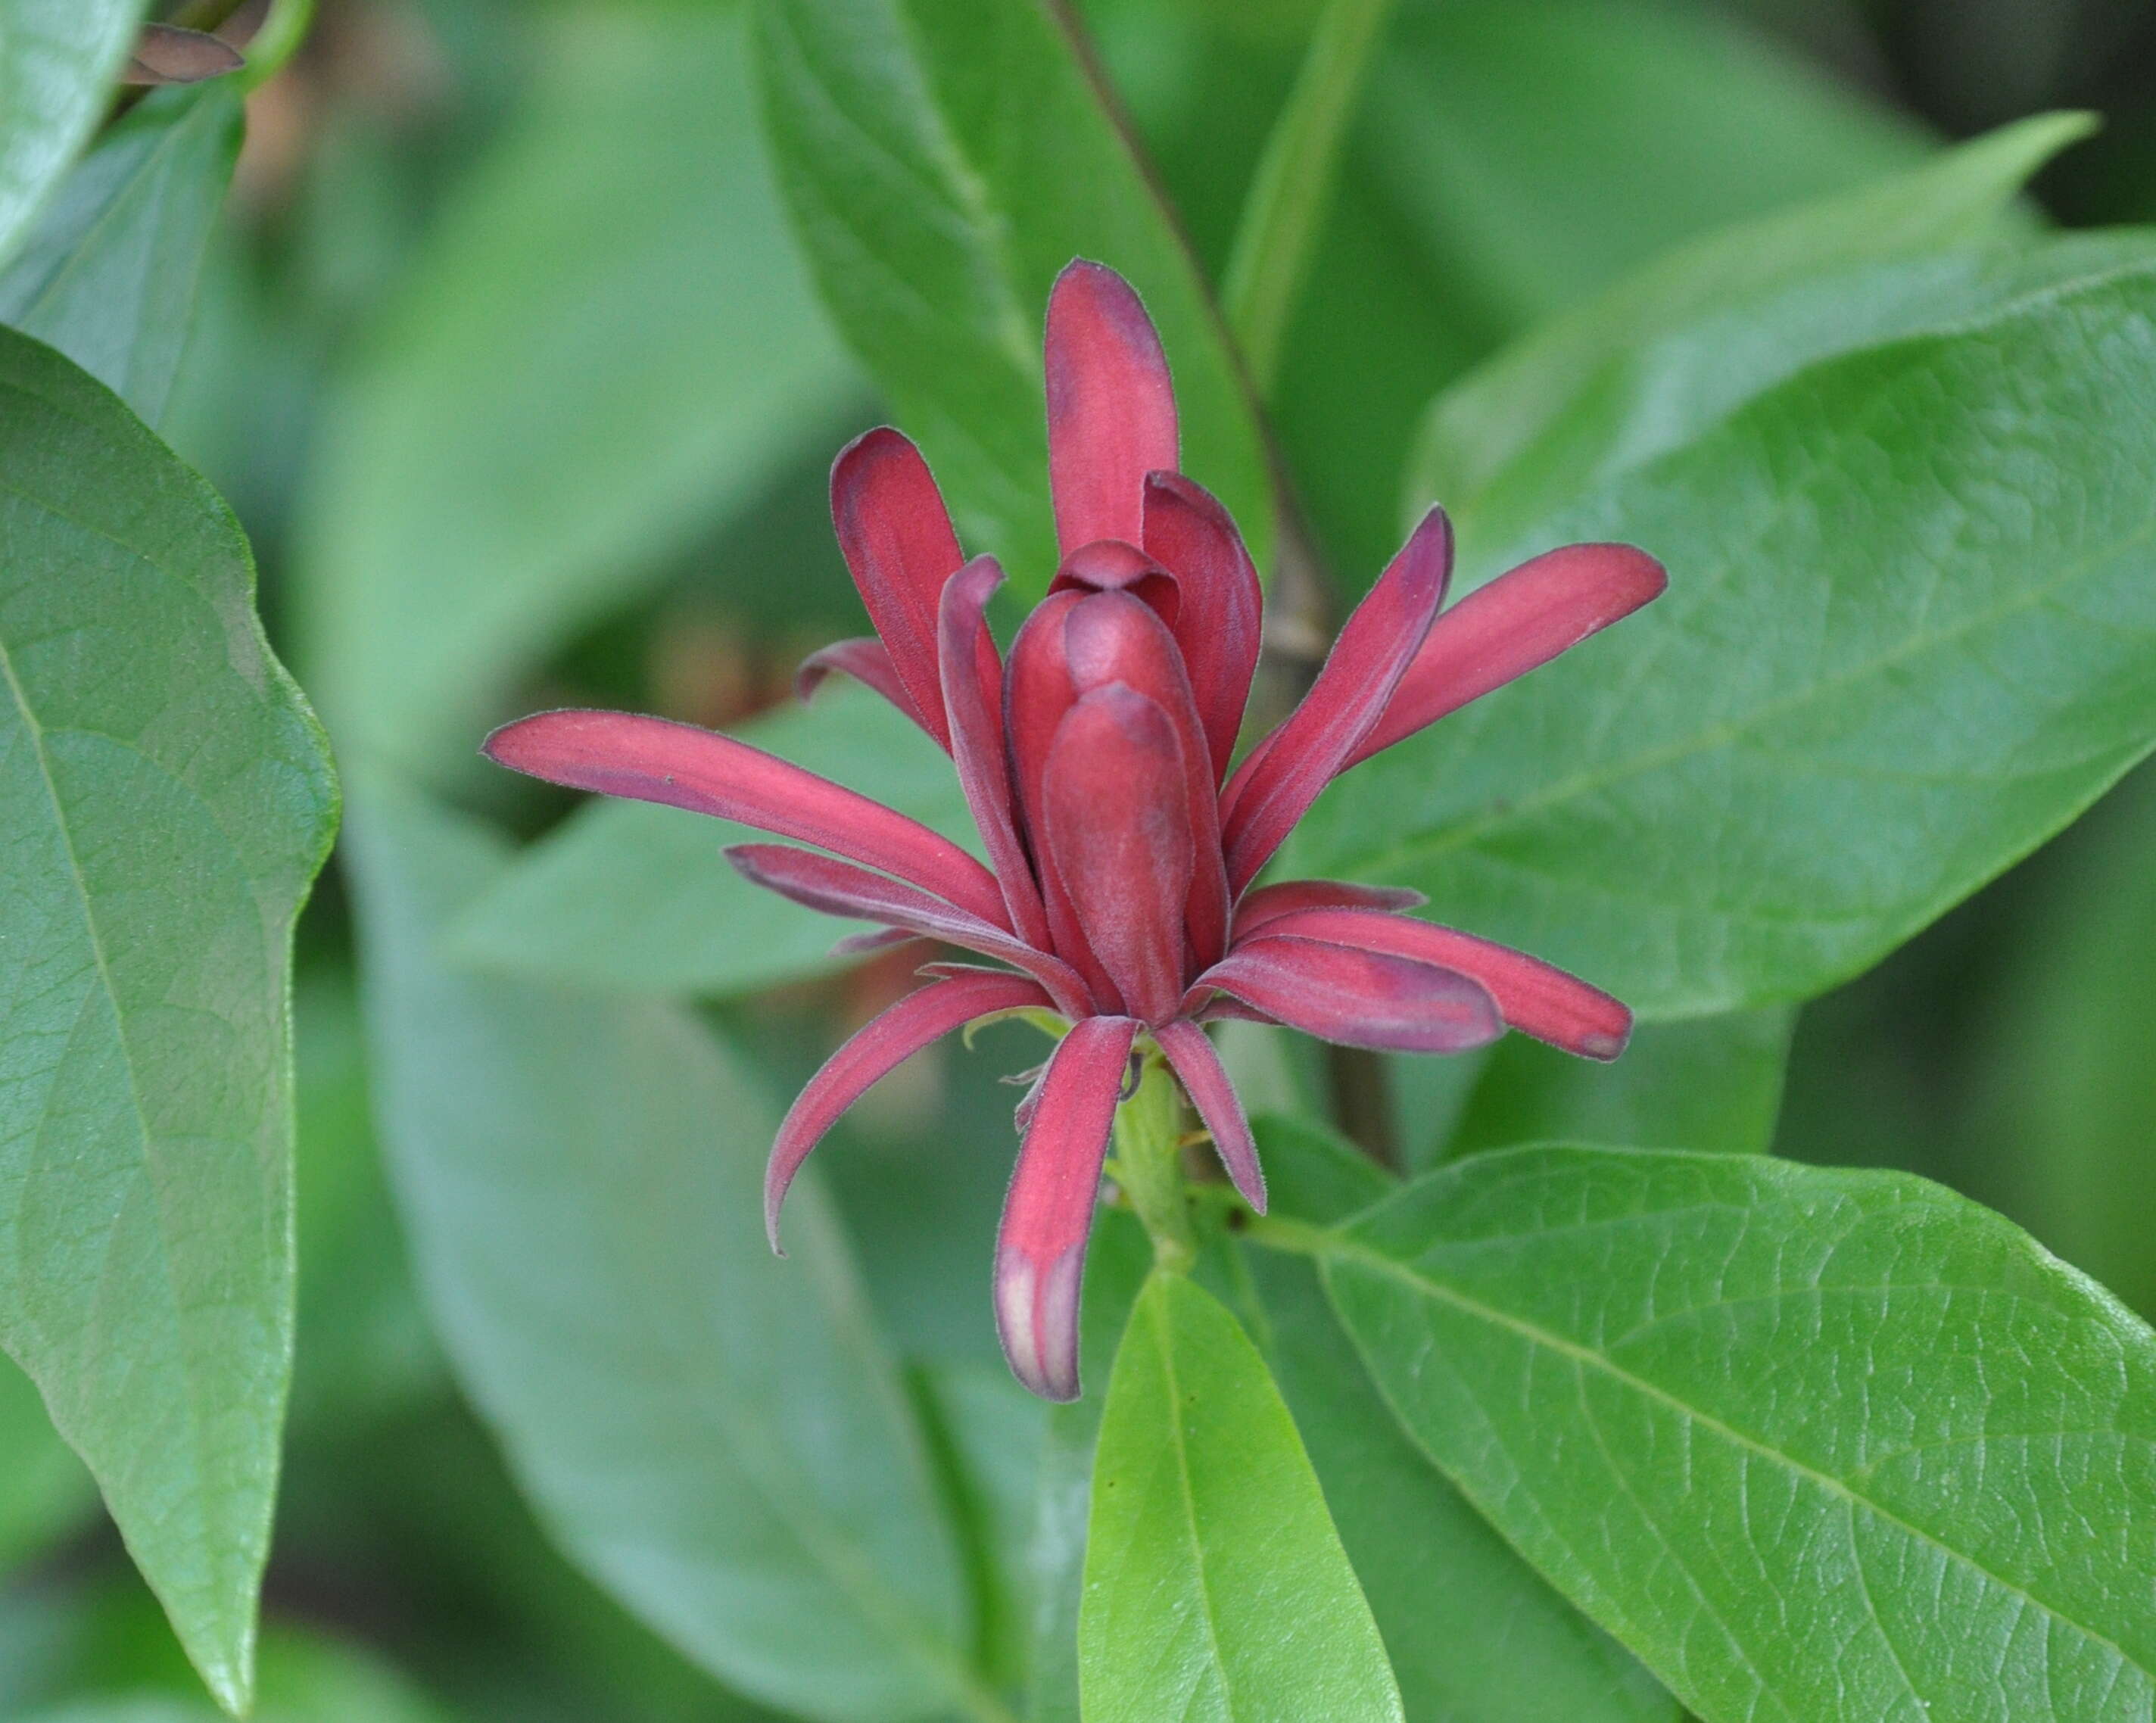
(504, 359)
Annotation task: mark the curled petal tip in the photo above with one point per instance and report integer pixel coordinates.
(1036, 1320)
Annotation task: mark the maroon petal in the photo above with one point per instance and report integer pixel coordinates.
(1272, 789)
(1268, 903)
(972, 677)
(1048, 1217)
(1221, 618)
(865, 660)
(922, 1016)
(1522, 619)
(1111, 638)
(1535, 997)
(1117, 823)
(1358, 999)
(1206, 1081)
(837, 888)
(657, 760)
(898, 540)
(882, 939)
(1109, 565)
(1111, 406)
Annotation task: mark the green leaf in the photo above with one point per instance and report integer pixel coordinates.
(1215, 1584)
(716, 1436)
(1833, 1446)
(1713, 1085)
(633, 895)
(108, 274)
(1491, 417)
(1548, 148)
(58, 59)
(166, 799)
(47, 1492)
(944, 160)
(1902, 645)
(609, 349)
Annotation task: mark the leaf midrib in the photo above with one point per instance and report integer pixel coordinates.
(1335, 1247)
(1186, 1490)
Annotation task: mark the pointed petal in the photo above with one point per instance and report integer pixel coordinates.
(1047, 1216)
(973, 679)
(866, 661)
(925, 1015)
(1274, 788)
(883, 939)
(899, 542)
(1520, 620)
(1220, 620)
(1358, 999)
(1118, 829)
(1204, 1080)
(1268, 903)
(657, 760)
(1535, 997)
(838, 887)
(1113, 637)
(1111, 406)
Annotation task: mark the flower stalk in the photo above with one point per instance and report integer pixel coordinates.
(1147, 1164)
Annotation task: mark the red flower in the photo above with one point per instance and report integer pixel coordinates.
(1121, 850)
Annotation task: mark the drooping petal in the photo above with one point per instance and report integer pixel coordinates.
(1111, 406)
(1047, 1215)
(1221, 618)
(1118, 829)
(1273, 789)
(1535, 997)
(1268, 903)
(1358, 999)
(866, 660)
(925, 1015)
(1522, 619)
(898, 542)
(837, 888)
(1111, 638)
(657, 760)
(1206, 1081)
(882, 939)
(973, 677)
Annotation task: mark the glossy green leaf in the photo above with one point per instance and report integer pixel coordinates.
(944, 160)
(716, 1436)
(1714, 1084)
(609, 348)
(1833, 1446)
(107, 276)
(631, 895)
(1901, 647)
(1491, 417)
(166, 799)
(46, 1492)
(58, 59)
(1215, 1584)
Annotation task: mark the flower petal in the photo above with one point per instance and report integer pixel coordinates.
(1111, 406)
(1221, 618)
(1519, 620)
(1109, 565)
(1273, 789)
(1206, 1081)
(866, 660)
(1117, 823)
(657, 760)
(1047, 1216)
(925, 1015)
(973, 677)
(899, 542)
(1358, 999)
(1535, 997)
(838, 887)
(1268, 903)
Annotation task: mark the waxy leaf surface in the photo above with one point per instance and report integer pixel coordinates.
(165, 798)
(1819, 1446)
(58, 59)
(716, 1436)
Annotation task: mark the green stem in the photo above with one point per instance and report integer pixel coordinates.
(1149, 1165)
(276, 42)
(1285, 207)
(1298, 1238)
